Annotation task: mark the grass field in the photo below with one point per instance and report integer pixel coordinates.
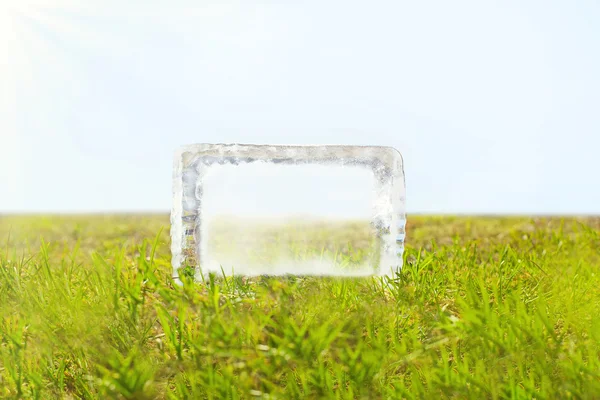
(483, 308)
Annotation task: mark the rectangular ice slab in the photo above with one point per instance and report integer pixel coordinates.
(276, 210)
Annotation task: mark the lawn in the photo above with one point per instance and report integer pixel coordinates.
(483, 308)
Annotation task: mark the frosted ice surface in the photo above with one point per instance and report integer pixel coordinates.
(276, 210)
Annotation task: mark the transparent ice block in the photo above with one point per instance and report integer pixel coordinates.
(277, 210)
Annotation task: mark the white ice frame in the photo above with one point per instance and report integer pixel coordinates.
(192, 161)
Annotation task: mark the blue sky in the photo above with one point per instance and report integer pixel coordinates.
(494, 105)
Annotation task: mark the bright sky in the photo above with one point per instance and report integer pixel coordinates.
(231, 190)
(495, 106)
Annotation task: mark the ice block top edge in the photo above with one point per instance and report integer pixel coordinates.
(292, 153)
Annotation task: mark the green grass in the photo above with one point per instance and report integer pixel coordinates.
(483, 308)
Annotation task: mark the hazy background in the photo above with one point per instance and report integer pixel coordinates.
(494, 105)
